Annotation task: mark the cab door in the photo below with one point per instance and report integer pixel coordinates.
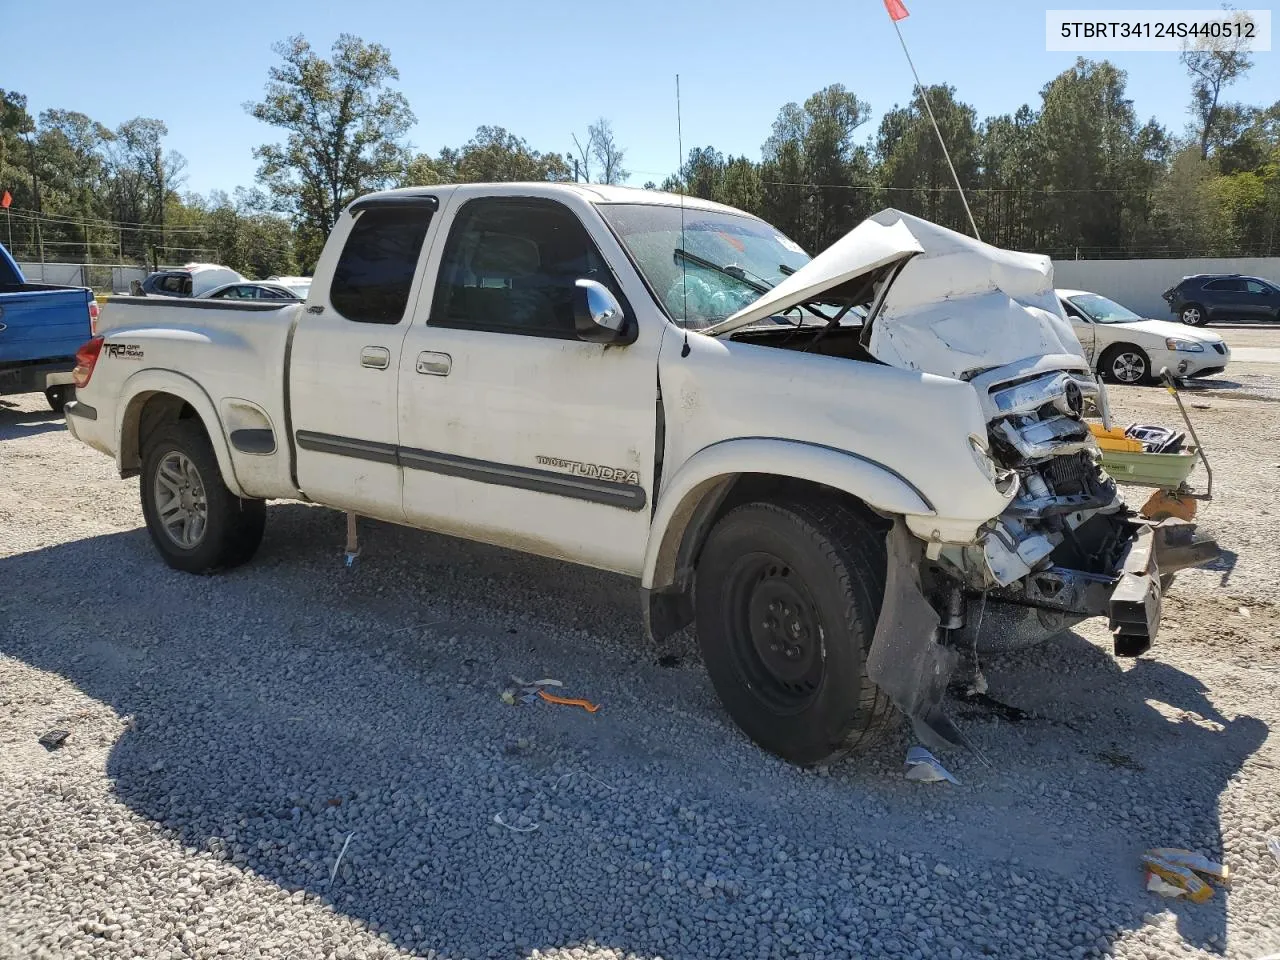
(512, 429)
(345, 357)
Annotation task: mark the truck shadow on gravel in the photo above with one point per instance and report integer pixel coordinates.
(16, 424)
(283, 708)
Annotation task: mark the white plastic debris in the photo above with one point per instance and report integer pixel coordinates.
(497, 818)
(1273, 845)
(1157, 884)
(925, 767)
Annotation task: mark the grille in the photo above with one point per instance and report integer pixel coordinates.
(1220, 347)
(1069, 471)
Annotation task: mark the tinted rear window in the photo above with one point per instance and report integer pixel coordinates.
(375, 271)
(1236, 285)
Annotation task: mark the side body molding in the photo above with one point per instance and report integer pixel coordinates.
(875, 484)
(133, 397)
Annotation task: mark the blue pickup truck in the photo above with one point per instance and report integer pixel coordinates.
(41, 327)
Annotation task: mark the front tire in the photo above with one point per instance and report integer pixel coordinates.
(1125, 363)
(196, 523)
(787, 598)
(1193, 315)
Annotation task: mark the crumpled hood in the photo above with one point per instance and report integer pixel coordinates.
(956, 306)
(963, 305)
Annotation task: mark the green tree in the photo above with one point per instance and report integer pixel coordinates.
(1098, 166)
(913, 168)
(817, 183)
(345, 128)
(1213, 66)
(493, 155)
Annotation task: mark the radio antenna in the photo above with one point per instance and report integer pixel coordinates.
(684, 261)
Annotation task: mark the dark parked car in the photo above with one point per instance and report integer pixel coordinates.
(1198, 300)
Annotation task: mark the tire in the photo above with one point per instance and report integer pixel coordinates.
(232, 527)
(57, 398)
(821, 567)
(1193, 315)
(1125, 363)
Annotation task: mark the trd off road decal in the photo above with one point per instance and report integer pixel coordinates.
(592, 470)
(122, 351)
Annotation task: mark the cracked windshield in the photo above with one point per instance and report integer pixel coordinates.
(724, 263)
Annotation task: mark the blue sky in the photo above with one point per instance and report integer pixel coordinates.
(544, 72)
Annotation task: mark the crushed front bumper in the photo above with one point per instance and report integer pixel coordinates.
(1158, 550)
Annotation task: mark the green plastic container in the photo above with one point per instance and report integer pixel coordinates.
(1168, 471)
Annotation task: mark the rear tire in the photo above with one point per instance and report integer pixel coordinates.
(787, 598)
(196, 523)
(57, 397)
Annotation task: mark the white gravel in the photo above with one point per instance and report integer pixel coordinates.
(229, 734)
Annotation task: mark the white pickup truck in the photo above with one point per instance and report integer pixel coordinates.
(851, 472)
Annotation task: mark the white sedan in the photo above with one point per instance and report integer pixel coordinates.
(1127, 348)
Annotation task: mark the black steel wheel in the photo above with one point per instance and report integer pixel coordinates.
(786, 601)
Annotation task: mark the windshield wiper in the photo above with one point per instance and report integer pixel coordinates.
(731, 270)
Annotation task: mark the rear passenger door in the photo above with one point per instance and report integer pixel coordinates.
(512, 430)
(346, 356)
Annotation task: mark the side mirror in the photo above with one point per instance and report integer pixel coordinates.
(598, 316)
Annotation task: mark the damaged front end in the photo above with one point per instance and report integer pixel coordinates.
(1065, 549)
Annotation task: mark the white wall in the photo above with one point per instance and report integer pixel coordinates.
(1138, 283)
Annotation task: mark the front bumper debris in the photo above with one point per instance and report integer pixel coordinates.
(1158, 551)
(1133, 610)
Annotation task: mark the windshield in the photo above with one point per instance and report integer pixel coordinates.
(724, 262)
(1101, 310)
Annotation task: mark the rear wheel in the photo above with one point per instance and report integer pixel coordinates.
(196, 523)
(1193, 315)
(57, 396)
(787, 598)
(1125, 363)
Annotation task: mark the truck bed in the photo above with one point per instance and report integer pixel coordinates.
(42, 322)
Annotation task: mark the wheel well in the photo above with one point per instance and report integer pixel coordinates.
(668, 607)
(146, 413)
(746, 488)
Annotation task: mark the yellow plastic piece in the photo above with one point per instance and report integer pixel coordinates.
(1164, 504)
(1197, 890)
(1114, 439)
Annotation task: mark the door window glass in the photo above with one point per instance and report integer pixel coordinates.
(375, 270)
(510, 266)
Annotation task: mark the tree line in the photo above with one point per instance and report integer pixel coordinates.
(1077, 173)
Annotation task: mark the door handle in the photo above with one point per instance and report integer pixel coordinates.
(434, 364)
(376, 358)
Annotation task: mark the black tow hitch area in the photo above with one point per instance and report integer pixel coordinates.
(1157, 550)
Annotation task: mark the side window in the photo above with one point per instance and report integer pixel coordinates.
(1229, 285)
(1073, 312)
(510, 266)
(170, 284)
(1257, 286)
(375, 270)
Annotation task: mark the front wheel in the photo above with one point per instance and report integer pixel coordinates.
(1125, 363)
(787, 597)
(196, 523)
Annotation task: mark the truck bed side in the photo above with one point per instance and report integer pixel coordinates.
(220, 361)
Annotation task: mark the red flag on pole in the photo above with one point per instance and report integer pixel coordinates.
(6, 200)
(897, 11)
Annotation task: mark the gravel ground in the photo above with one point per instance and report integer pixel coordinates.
(232, 738)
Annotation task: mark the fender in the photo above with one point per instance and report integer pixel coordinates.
(183, 387)
(708, 470)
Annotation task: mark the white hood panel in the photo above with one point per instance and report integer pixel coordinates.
(963, 305)
(868, 246)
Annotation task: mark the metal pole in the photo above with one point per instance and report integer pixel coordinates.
(941, 142)
(8, 215)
